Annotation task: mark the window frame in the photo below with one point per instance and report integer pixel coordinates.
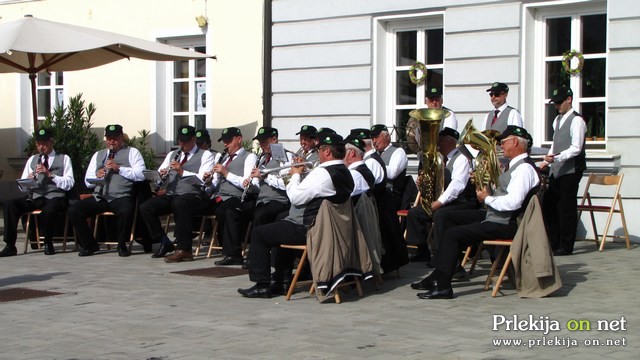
(53, 89)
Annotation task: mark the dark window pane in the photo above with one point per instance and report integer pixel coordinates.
(181, 97)
(556, 77)
(593, 78)
(406, 90)
(201, 122)
(434, 78)
(550, 115)
(59, 78)
(178, 121)
(594, 34)
(593, 115)
(434, 46)
(44, 102)
(406, 48)
(558, 36)
(44, 79)
(402, 116)
(181, 69)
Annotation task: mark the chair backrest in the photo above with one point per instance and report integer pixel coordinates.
(603, 180)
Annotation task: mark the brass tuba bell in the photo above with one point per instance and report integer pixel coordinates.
(487, 167)
(431, 176)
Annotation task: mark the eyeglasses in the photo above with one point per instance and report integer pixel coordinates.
(503, 140)
(495, 94)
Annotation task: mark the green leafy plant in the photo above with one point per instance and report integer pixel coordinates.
(71, 127)
(142, 144)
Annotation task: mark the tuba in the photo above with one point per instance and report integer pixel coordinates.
(431, 176)
(486, 165)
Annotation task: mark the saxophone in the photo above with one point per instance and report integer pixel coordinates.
(431, 176)
(486, 165)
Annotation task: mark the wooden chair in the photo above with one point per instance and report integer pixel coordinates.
(404, 213)
(467, 257)
(502, 244)
(39, 240)
(104, 216)
(586, 204)
(213, 245)
(312, 288)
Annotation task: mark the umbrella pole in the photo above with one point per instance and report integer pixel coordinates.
(34, 101)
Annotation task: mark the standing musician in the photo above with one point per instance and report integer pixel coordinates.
(433, 100)
(330, 180)
(308, 143)
(120, 166)
(184, 197)
(235, 167)
(272, 198)
(497, 221)
(54, 176)
(502, 114)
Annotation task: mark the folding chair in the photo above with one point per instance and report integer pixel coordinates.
(104, 216)
(39, 240)
(615, 207)
(502, 244)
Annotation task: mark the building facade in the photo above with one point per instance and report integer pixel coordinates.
(345, 64)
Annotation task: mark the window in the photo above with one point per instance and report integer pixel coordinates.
(50, 93)
(586, 33)
(414, 44)
(188, 91)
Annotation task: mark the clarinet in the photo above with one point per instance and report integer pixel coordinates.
(246, 188)
(207, 183)
(107, 174)
(35, 174)
(164, 177)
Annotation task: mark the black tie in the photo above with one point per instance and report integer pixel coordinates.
(45, 161)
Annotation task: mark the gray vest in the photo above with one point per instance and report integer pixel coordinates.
(561, 142)
(46, 187)
(504, 217)
(501, 123)
(468, 192)
(116, 186)
(228, 190)
(267, 193)
(178, 187)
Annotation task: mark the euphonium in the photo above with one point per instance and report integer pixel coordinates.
(431, 176)
(487, 167)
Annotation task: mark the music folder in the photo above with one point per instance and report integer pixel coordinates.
(25, 185)
(278, 153)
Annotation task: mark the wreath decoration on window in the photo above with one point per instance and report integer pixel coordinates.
(418, 66)
(566, 62)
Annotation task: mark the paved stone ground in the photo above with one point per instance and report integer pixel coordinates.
(135, 308)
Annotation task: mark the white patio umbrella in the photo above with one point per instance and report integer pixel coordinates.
(31, 45)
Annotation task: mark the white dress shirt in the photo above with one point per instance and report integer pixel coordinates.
(577, 132)
(375, 167)
(523, 179)
(317, 183)
(64, 182)
(459, 178)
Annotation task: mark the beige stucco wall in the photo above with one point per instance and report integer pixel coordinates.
(125, 91)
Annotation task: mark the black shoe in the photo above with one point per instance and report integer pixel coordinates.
(460, 274)
(229, 260)
(279, 288)
(437, 293)
(257, 291)
(48, 249)
(164, 249)
(123, 251)
(9, 250)
(246, 264)
(562, 252)
(424, 284)
(421, 256)
(88, 251)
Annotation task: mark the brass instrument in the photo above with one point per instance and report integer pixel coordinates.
(277, 169)
(486, 165)
(431, 176)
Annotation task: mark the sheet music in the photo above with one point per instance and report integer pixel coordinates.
(278, 153)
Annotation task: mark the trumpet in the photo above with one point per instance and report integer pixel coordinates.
(277, 169)
(165, 176)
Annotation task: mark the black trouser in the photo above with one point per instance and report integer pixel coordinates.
(184, 208)
(471, 230)
(14, 208)
(441, 220)
(418, 223)
(79, 212)
(236, 221)
(269, 236)
(560, 211)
